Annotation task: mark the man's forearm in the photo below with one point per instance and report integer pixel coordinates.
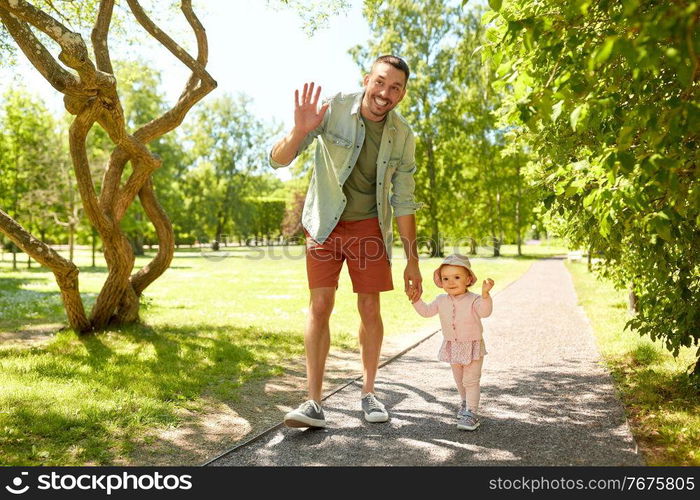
(407, 231)
(286, 149)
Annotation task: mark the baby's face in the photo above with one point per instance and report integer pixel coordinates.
(455, 279)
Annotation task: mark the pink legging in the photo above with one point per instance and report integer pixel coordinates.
(467, 378)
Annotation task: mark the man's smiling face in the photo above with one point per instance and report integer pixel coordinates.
(385, 86)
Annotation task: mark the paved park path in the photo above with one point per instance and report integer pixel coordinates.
(546, 399)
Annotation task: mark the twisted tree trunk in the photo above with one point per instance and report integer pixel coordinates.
(92, 97)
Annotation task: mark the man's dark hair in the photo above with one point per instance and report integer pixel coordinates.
(396, 62)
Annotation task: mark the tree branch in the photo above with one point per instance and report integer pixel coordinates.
(174, 117)
(59, 78)
(197, 86)
(99, 36)
(140, 176)
(77, 135)
(111, 178)
(199, 32)
(128, 148)
(58, 221)
(165, 39)
(166, 240)
(74, 52)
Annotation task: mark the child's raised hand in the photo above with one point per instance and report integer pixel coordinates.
(486, 286)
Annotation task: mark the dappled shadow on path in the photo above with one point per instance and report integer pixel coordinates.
(245, 395)
(540, 416)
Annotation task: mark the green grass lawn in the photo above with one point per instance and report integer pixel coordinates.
(211, 323)
(662, 404)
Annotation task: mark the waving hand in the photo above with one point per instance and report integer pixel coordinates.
(307, 116)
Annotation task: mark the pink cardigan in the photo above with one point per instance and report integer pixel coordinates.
(460, 317)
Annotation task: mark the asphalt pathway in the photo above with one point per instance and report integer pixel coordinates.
(546, 399)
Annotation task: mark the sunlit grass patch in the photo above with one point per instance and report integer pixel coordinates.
(86, 400)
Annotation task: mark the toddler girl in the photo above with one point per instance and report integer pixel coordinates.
(460, 317)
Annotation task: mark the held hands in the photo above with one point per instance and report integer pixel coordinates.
(307, 116)
(413, 282)
(486, 287)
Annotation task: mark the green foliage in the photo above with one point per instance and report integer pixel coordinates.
(315, 14)
(471, 185)
(646, 354)
(414, 31)
(140, 91)
(605, 98)
(31, 167)
(204, 179)
(7, 48)
(260, 216)
(227, 154)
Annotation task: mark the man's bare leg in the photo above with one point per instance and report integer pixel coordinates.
(317, 338)
(371, 336)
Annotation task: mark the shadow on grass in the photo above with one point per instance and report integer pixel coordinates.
(20, 307)
(89, 399)
(12, 284)
(37, 269)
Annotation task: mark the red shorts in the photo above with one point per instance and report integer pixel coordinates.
(361, 244)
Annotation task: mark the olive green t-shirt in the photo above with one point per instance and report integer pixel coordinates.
(360, 187)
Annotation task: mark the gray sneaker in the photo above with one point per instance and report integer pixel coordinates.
(374, 410)
(462, 409)
(467, 421)
(309, 414)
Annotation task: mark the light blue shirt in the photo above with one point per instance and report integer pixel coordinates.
(341, 135)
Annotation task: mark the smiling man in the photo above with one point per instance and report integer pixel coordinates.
(363, 175)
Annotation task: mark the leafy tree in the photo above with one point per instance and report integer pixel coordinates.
(417, 31)
(491, 203)
(605, 95)
(54, 196)
(229, 145)
(261, 216)
(294, 193)
(472, 188)
(25, 155)
(291, 224)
